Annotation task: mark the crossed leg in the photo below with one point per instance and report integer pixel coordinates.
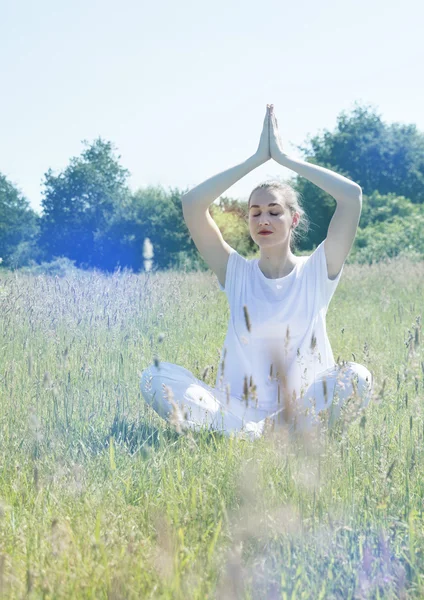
(195, 404)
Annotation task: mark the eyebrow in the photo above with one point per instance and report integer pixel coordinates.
(271, 204)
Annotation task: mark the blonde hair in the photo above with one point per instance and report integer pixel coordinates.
(291, 198)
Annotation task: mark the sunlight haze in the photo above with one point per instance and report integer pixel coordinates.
(181, 88)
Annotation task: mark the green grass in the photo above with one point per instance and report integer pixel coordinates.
(99, 498)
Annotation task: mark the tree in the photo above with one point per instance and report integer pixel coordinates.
(380, 158)
(79, 206)
(156, 214)
(390, 238)
(18, 226)
(377, 208)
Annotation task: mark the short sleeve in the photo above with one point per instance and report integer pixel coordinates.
(326, 287)
(235, 275)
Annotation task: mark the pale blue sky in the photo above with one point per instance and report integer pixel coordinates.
(181, 87)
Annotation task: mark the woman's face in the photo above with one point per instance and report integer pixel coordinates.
(267, 212)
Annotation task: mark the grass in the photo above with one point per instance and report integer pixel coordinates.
(99, 498)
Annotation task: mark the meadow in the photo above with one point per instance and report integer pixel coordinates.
(100, 498)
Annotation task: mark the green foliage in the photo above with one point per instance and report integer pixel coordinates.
(60, 267)
(18, 227)
(389, 226)
(387, 161)
(379, 208)
(91, 217)
(389, 239)
(79, 206)
(233, 205)
(378, 157)
(318, 205)
(156, 214)
(234, 228)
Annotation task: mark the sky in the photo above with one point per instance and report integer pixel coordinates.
(181, 88)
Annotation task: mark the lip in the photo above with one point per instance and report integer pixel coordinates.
(264, 232)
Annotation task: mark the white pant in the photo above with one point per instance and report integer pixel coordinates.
(197, 403)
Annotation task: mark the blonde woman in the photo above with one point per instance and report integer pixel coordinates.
(276, 362)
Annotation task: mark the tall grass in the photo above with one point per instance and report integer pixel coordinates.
(99, 498)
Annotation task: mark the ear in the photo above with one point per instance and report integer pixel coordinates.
(295, 219)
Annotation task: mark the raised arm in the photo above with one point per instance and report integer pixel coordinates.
(348, 196)
(205, 193)
(336, 185)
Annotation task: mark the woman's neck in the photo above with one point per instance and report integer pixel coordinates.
(276, 262)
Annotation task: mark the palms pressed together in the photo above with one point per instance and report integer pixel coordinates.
(270, 144)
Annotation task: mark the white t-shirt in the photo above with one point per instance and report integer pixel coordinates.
(287, 313)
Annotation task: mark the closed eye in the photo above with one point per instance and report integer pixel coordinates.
(273, 214)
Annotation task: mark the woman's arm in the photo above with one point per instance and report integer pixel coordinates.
(336, 185)
(205, 193)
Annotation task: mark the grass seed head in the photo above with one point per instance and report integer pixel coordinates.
(247, 318)
(175, 418)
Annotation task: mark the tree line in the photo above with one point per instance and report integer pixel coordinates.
(92, 219)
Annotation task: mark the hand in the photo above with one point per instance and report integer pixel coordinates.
(275, 143)
(263, 153)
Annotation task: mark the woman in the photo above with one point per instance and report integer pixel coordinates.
(277, 361)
